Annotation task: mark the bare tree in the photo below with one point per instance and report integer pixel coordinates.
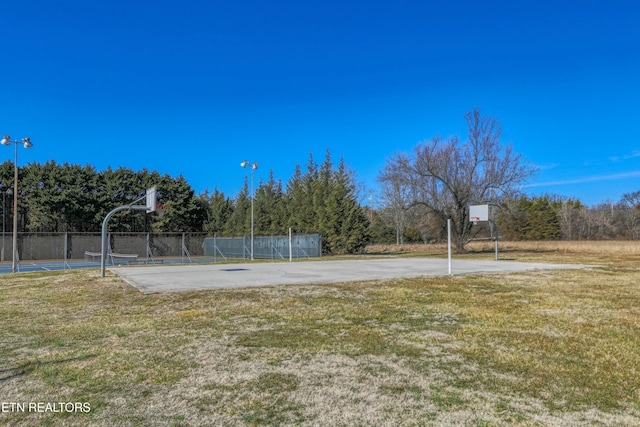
(446, 176)
(571, 215)
(630, 203)
(397, 200)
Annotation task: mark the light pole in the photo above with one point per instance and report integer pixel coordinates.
(4, 206)
(254, 166)
(6, 140)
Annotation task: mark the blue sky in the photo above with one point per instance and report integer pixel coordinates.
(195, 87)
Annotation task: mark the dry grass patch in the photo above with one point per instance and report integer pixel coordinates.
(621, 253)
(536, 348)
(583, 247)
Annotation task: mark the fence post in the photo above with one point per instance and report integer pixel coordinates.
(64, 265)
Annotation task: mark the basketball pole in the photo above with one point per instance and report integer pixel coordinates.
(149, 206)
(449, 244)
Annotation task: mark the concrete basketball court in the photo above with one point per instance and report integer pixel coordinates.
(175, 278)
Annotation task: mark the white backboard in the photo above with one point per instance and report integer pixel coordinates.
(152, 199)
(479, 213)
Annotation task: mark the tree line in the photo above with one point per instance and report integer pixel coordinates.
(545, 217)
(420, 191)
(438, 182)
(552, 217)
(54, 197)
(322, 199)
(72, 198)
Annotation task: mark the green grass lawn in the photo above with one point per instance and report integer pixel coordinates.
(537, 348)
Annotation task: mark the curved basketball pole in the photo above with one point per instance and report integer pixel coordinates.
(149, 207)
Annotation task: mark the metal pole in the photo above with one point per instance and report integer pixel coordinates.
(148, 244)
(494, 222)
(290, 248)
(14, 262)
(252, 197)
(103, 245)
(4, 205)
(495, 225)
(449, 244)
(182, 250)
(64, 255)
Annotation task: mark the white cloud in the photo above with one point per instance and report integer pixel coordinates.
(613, 159)
(610, 177)
(547, 166)
(632, 155)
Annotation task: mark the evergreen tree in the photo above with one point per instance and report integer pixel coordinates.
(220, 210)
(380, 230)
(308, 213)
(542, 222)
(321, 203)
(43, 197)
(68, 197)
(530, 219)
(121, 187)
(61, 197)
(183, 211)
(324, 201)
(302, 212)
(239, 222)
(294, 201)
(348, 225)
(269, 209)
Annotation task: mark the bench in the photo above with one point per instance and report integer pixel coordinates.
(117, 259)
(147, 261)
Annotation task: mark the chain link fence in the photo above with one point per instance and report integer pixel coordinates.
(264, 247)
(164, 247)
(74, 246)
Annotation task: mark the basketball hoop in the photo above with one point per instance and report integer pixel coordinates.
(160, 210)
(478, 213)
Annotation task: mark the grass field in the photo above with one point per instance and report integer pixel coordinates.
(540, 348)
